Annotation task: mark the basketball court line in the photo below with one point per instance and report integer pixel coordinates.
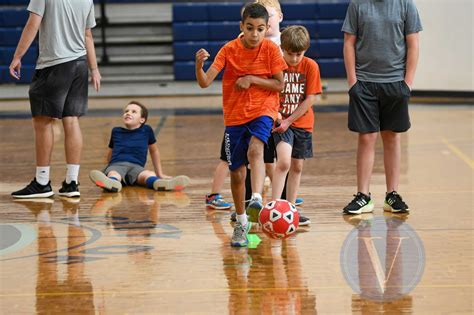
(458, 153)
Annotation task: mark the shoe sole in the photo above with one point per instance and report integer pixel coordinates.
(306, 223)
(388, 208)
(42, 195)
(102, 181)
(175, 183)
(217, 207)
(70, 194)
(365, 209)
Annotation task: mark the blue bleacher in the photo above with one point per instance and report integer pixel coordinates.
(210, 25)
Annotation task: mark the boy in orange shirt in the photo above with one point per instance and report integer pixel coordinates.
(293, 134)
(253, 76)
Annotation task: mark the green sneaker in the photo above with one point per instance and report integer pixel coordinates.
(239, 237)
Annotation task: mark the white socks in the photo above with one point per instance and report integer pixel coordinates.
(72, 172)
(257, 196)
(242, 218)
(42, 175)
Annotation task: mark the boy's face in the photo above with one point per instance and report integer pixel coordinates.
(254, 31)
(274, 20)
(293, 58)
(132, 116)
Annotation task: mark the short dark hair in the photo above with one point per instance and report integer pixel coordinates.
(144, 110)
(255, 11)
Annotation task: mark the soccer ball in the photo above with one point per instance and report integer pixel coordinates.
(279, 219)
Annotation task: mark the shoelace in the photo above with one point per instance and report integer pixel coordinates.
(239, 230)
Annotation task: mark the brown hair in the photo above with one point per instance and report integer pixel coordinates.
(144, 110)
(295, 38)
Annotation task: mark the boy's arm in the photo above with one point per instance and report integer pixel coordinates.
(276, 83)
(300, 111)
(92, 60)
(413, 49)
(156, 160)
(204, 78)
(27, 37)
(349, 58)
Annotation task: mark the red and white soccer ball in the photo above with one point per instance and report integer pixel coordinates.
(279, 219)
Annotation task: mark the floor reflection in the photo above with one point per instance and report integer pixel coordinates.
(265, 278)
(385, 263)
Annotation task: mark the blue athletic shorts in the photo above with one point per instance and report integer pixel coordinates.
(237, 139)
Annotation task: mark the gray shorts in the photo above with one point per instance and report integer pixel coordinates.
(61, 90)
(128, 171)
(300, 140)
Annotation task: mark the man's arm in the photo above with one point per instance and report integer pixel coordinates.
(413, 49)
(92, 60)
(204, 78)
(349, 58)
(27, 36)
(276, 83)
(300, 111)
(156, 160)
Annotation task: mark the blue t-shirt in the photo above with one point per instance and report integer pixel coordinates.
(131, 145)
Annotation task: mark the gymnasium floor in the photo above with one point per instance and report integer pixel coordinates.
(146, 252)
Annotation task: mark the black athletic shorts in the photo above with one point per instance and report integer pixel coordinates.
(300, 140)
(61, 90)
(268, 151)
(376, 107)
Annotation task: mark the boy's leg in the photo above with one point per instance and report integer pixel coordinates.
(294, 178)
(365, 160)
(242, 227)
(255, 157)
(72, 140)
(392, 157)
(44, 139)
(40, 187)
(282, 167)
(214, 200)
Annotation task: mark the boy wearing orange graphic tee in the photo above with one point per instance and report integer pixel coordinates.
(293, 134)
(253, 76)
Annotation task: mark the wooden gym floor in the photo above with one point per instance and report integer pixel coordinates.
(146, 252)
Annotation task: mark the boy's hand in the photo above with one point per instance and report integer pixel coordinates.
(15, 68)
(201, 56)
(243, 83)
(281, 126)
(95, 79)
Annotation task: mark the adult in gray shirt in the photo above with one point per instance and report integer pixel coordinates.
(380, 54)
(59, 86)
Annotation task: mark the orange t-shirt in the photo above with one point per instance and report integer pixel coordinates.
(263, 61)
(302, 80)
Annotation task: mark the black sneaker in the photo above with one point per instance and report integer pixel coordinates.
(304, 221)
(70, 190)
(34, 190)
(394, 203)
(360, 204)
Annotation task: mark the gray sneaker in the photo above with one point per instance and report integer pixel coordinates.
(101, 180)
(253, 209)
(174, 183)
(239, 237)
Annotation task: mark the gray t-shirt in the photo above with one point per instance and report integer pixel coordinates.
(62, 30)
(381, 27)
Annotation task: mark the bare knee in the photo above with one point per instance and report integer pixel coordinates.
(367, 138)
(283, 165)
(297, 166)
